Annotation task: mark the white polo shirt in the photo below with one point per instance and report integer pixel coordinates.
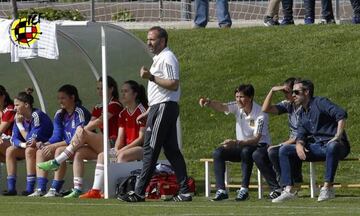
(248, 126)
(166, 66)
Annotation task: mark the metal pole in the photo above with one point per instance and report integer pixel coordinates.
(105, 113)
(161, 10)
(92, 10)
(337, 10)
(185, 10)
(15, 13)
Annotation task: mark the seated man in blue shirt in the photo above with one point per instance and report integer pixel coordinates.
(324, 122)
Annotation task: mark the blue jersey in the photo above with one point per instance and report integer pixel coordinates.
(65, 124)
(39, 128)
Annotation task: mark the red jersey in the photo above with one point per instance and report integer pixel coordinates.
(127, 121)
(114, 107)
(8, 115)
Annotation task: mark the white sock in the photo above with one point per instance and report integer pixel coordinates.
(66, 154)
(99, 177)
(78, 181)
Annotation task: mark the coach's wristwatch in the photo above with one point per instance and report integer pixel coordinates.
(152, 78)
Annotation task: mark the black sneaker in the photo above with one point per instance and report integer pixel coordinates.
(269, 21)
(26, 193)
(181, 198)
(9, 193)
(327, 21)
(242, 195)
(274, 194)
(220, 195)
(285, 22)
(131, 196)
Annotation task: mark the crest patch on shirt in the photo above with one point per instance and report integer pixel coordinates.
(252, 123)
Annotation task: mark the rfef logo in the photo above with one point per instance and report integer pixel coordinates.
(25, 31)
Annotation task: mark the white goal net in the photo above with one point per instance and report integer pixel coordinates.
(161, 10)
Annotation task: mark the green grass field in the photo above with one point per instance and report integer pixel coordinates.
(213, 62)
(23, 206)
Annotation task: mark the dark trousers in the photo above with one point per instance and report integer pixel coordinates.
(234, 154)
(326, 9)
(161, 133)
(288, 9)
(295, 163)
(356, 7)
(262, 161)
(330, 152)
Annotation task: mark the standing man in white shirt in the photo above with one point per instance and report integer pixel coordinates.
(251, 133)
(163, 95)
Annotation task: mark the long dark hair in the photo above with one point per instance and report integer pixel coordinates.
(7, 100)
(26, 96)
(71, 90)
(140, 90)
(112, 84)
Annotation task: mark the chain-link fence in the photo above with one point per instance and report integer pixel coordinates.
(161, 10)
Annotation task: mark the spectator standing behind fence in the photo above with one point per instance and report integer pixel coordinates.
(356, 9)
(324, 121)
(292, 110)
(272, 13)
(327, 14)
(162, 114)
(202, 13)
(251, 134)
(32, 126)
(7, 121)
(287, 6)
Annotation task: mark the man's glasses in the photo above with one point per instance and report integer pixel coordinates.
(296, 92)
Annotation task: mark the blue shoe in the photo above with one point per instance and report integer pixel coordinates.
(287, 22)
(309, 20)
(356, 20)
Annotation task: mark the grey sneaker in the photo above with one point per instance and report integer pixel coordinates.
(38, 193)
(269, 21)
(52, 193)
(284, 196)
(326, 194)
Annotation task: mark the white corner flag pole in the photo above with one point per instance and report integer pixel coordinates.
(105, 113)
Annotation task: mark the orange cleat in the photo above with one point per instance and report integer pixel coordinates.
(91, 194)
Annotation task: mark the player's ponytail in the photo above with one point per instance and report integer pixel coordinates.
(71, 90)
(140, 90)
(112, 84)
(26, 96)
(7, 99)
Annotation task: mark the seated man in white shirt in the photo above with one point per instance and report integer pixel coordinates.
(251, 133)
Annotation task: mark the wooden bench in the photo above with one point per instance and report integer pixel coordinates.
(312, 175)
